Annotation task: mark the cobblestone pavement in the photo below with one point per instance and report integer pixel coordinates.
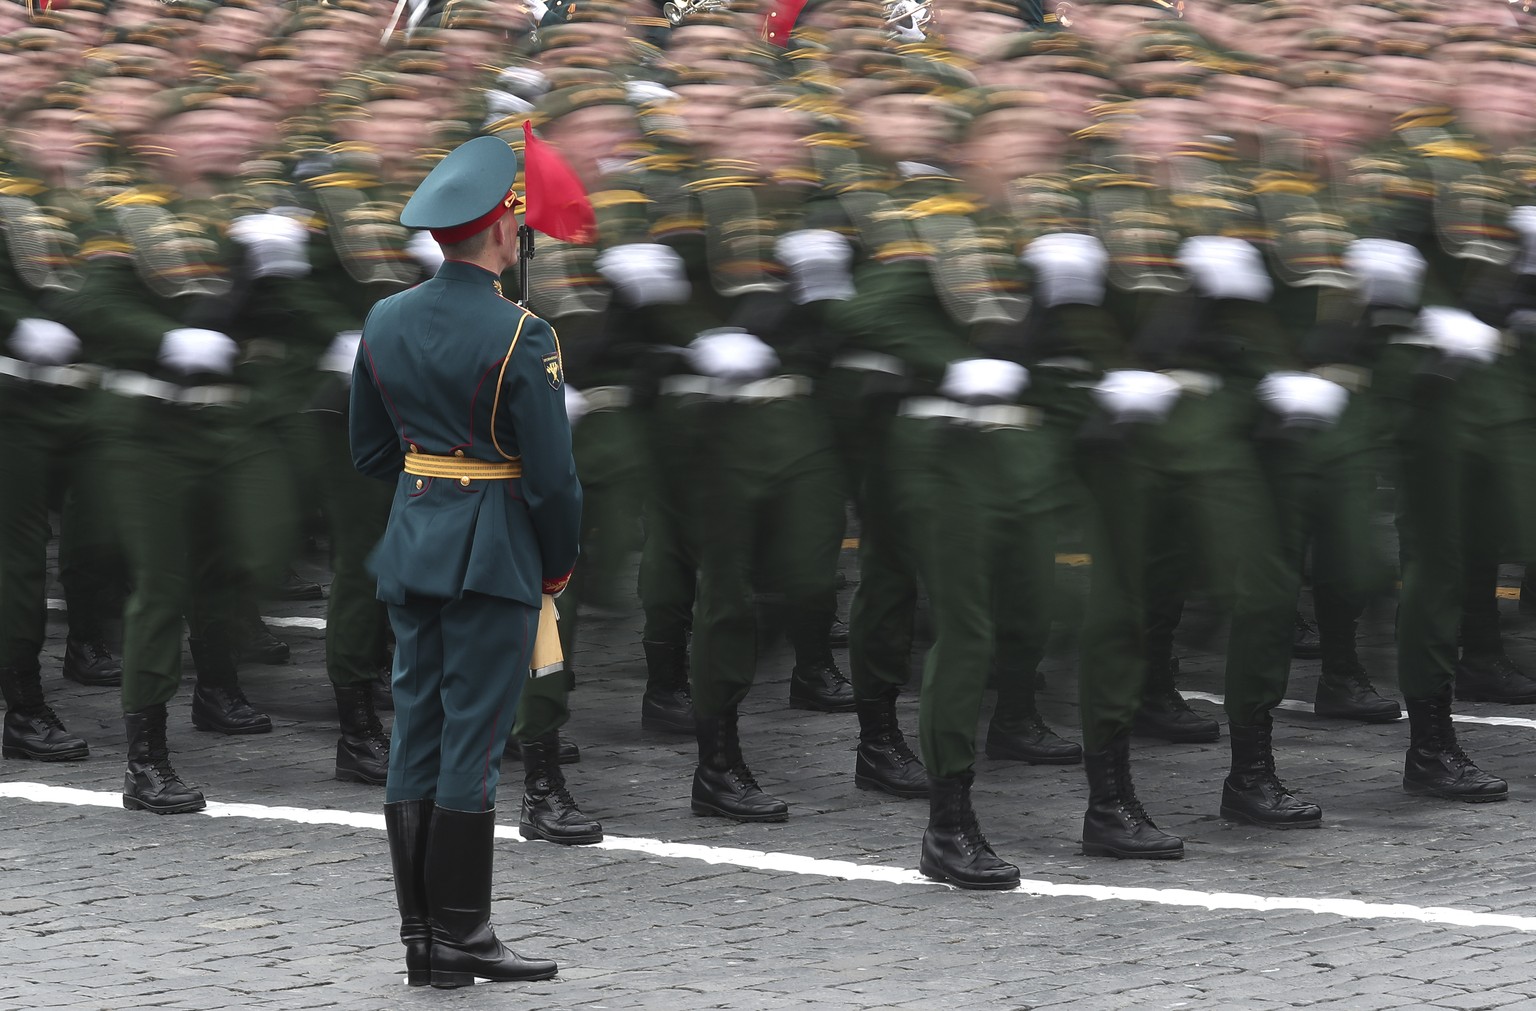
(105, 909)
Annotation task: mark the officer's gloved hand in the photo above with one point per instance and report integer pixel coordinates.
(342, 353)
(1225, 267)
(576, 404)
(424, 250)
(645, 273)
(1069, 268)
(43, 342)
(1303, 399)
(1523, 221)
(188, 350)
(732, 354)
(1131, 395)
(1460, 335)
(276, 245)
(984, 381)
(1390, 273)
(647, 92)
(501, 104)
(818, 260)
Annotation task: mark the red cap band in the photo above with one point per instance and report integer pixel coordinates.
(458, 233)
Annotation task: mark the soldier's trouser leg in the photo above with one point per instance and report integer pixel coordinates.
(1482, 535)
(610, 459)
(801, 527)
(357, 511)
(1112, 666)
(1429, 491)
(1170, 564)
(1022, 603)
(734, 493)
(544, 707)
(91, 565)
(668, 565)
(881, 616)
(460, 666)
(30, 442)
(157, 457)
(246, 531)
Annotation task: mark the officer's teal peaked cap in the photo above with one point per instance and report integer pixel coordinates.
(470, 187)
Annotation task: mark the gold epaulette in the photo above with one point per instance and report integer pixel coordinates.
(662, 162)
(12, 186)
(1449, 148)
(142, 196)
(941, 205)
(92, 248)
(617, 198)
(893, 251)
(1285, 182)
(845, 140)
(1107, 179)
(341, 180)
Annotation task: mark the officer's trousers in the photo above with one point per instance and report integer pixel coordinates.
(356, 512)
(459, 670)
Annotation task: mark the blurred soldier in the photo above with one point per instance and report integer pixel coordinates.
(46, 416)
(482, 529)
(198, 490)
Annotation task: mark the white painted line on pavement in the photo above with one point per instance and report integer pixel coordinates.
(791, 863)
(315, 623)
(1297, 706)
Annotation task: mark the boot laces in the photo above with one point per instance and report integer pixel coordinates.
(743, 776)
(1129, 802)
(46, 716)
(970, 833)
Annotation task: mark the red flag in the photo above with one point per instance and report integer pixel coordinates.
(557, 202)
(780, 21)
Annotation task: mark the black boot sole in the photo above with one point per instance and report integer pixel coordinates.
(1234, 815)
(1418, 790)
(1358, 716)
(1009, 755)
(587, 839)
(935, 874)
(822, 707)
(704, 810)
(358, 776)
(107, 681)
(657, 725)
(135, 804)
(72, 755)
(229, 731)
(1503, 700)
(1101, 850)
(880, 786)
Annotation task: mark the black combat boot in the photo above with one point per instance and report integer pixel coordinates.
(816, 682)
(295, 587)
(1435, 764)
(1116, 825)
(254, 643)
(1345, 692)
(218, 704)
(458, 879)
(566, 752)
(954, 850)
(1165, 715)
(150, 784)
(383, 686)
(884, 761)
(667, 706)
(32, 729)
(1017, 732)
(1252, 792)
(722, 784)
(90, 662)
(362, 754)
(548, 811)
(1305, 645)
(406, 823)
(1492, 677)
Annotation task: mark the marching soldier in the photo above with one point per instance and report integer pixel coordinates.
(483, 528)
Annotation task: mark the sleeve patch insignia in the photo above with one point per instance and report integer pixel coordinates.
(552, 370)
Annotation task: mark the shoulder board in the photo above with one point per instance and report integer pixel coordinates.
(941, 205)
(12, 186)
(1448, 148)
(139, 197)
(341, 180)
(618, 198)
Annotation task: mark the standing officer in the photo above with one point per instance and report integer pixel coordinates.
(484, 524)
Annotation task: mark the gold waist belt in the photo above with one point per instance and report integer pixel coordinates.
(462, 468)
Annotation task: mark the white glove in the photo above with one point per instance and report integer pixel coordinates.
(576, 405)
(1391, 273)
(1460, 334)
(189, 350)
(1303, 397)
(1222, 266)
(424, 250)
(1523, 220)
(1133, 395)
(43, 342)
(500, 104)
(647, 273)
(525, 82)
(647, 92)
(1069, 268)
(342, 354)
(731, 353)
(818, 259)
(276, 244)
(973, 380)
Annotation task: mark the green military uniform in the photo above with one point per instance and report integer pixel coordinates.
(47, 414)
(457, 400)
